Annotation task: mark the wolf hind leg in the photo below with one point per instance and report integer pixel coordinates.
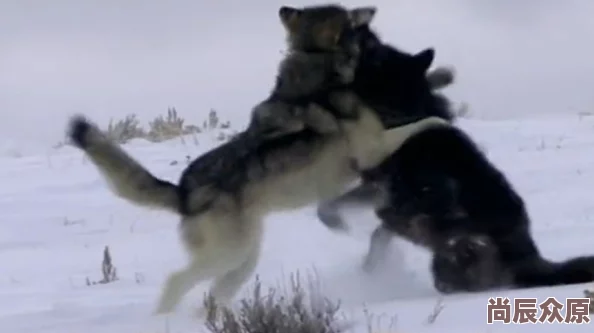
(218, 243)
(244, 252)
(226, 286)
(181, 282)
(229, 272)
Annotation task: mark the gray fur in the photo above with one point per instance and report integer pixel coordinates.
(224, 195)
(315, 63)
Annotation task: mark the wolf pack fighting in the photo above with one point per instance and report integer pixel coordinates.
(352, 122)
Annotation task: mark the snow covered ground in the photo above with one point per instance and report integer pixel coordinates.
(57, 215)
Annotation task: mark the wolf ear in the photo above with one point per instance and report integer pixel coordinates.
(362, 16)
(424, 59)
(289, 16)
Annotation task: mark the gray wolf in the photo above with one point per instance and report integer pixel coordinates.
(439, 184)
(319, 60)
(224, 195)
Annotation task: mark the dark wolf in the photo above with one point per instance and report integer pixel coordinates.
(468, 262)
(438, 185)
(224, 195)
(392, 82)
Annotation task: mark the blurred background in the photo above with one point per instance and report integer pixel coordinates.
(112, 57)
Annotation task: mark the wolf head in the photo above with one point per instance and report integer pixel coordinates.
(467, 250)
(323, 28)
(381, 55)
(398, 81)
(469, 262)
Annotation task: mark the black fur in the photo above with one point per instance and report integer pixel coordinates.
(468, 262)
(77, 131)
(444, 184)
(394, 82)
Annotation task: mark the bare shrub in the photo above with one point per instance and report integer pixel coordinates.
(125, 129)
(108, 271)
(437, 308)
(213, 119)
(161, 128)
(172, 126)
(376, 323)
(288, 312)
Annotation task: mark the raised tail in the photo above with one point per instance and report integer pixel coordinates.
(543, 273)
(128, 179)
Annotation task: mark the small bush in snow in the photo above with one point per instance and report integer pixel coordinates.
(276, 312)
(172, 126)
(108, 271)
(125, 129)
(161, 128)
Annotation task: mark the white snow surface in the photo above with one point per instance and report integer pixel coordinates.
(57, 215)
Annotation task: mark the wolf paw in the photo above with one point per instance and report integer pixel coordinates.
(163, 308)
(332, 220)
(444, 288)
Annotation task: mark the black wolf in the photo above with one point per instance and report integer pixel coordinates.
(439, 186)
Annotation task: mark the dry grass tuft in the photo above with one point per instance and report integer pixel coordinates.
(288, 312)
(108, 270)
(162, 128)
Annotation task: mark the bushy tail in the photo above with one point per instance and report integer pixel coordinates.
(128, 179)
(543, 273)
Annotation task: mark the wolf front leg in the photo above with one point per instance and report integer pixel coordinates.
(366, 195)
(394, 138)
(378, 248)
